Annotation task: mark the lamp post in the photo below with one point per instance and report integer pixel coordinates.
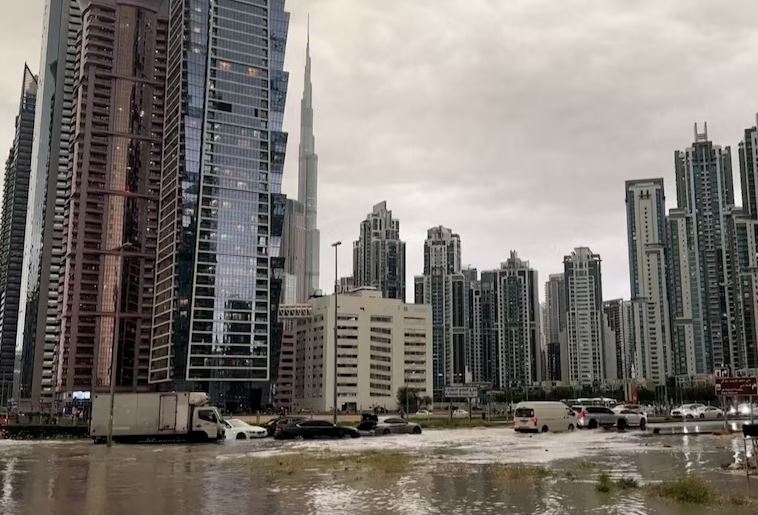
(336, 244)
(114, 345)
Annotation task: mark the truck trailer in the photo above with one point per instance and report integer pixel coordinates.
(158, 417)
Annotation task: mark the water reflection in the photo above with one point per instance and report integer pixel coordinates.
(456, 473)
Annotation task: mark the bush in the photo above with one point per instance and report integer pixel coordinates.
(690, 489)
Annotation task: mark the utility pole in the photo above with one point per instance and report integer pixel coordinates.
(336, 244)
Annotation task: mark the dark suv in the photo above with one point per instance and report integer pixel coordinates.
(281, 421)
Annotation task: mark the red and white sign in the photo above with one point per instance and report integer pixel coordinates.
(733, 386)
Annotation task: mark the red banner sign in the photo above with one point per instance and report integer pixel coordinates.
(732, 386)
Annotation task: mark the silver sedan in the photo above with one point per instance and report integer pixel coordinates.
(388, 426)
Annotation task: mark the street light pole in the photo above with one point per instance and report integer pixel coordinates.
(114, 344)
(336, 244)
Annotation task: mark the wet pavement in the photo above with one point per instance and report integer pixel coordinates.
(451, 471)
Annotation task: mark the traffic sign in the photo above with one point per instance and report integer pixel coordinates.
(461, 392)
(732, 386)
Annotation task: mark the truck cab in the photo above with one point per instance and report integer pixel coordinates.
(207, 424)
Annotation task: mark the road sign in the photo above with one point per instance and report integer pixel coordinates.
(461, 392)
(731, 386)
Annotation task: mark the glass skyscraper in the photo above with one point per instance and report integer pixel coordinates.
(219, 232)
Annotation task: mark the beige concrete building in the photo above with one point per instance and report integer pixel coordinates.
(383, 344)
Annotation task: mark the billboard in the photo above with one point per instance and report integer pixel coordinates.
(733, 386)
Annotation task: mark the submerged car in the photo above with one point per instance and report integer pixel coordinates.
(711, 412)
(632, 418)
(592, 417)
(237, 429)
(396, 425)
(687, 411)
(314, 429)
(272, 424)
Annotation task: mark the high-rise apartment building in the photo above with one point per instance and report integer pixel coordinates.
(626, 324)
(219, 231)
(307, 193)
(520, 346)
(39, 330)
(743, 242)
(687, 336)
(555, 327)
(293, 251)
(442, 288)
(475, 355)
(705, 192)
(585, 327)
(646, 231)
(12, 230)
(111, 211)
(382, 345)
(379, 254)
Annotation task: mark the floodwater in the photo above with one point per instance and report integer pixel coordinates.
(452, 472)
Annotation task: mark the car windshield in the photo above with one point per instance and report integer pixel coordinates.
(234, 422)
(524, 412)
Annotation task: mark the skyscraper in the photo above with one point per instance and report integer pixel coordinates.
(307, 193)
(646, 230)
(584, 317)
(705, 192)
(687, 339)
(12, 230)
(555, 327)
(293, 251)
(743, 240)
(39, 330)
(111, 211)
(379, 254)
(213, 323)
(520, 349)
(625, 321)
(442, 287)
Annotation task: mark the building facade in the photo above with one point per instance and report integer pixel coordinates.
(705, 192)
(379, 254)
(382, 345)
(12, 231)
(646, 231)
(442, 287)
(555, 327)
(224, 149)
(293, 251)
(39, 330)
(111, 209)
(584, 318)
(625, 320)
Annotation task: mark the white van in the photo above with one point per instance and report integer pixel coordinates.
(543, 416)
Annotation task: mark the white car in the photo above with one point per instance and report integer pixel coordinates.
(634, 418)
(621, 407)
(710, 412)
(423, 413)
(460, 413)
(236, 429)
(743, 410)
(687, 411)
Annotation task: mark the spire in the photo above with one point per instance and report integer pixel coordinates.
(308, 37)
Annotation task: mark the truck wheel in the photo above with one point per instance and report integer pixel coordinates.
(544, 429)
(386, 432)
(241, 436)
(571, 427)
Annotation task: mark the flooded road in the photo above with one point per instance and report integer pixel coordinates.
(455, 471)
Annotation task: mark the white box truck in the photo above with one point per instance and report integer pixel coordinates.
(144, 417)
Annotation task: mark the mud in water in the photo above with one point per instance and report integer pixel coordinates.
(458, 471)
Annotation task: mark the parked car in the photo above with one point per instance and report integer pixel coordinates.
(592, 417)
(314, 429)
(272, 424)
(460, 413)
(621, 407)
(423, 413)
(631, 418)
(394, 425)
(543, 416)
(687, 411)
(237, 429)
(710, 412)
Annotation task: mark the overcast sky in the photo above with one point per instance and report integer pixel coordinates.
(515, 123)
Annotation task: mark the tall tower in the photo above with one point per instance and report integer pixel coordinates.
(111, 212)
(555, 327)
(38, 333)
(584, 317)
(379, 254)
(221, 212)
(646, 230)
(307, 191)
(12, 231)
(705, 192)
(442, 287)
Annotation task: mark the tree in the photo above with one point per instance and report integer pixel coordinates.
(407, 399)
